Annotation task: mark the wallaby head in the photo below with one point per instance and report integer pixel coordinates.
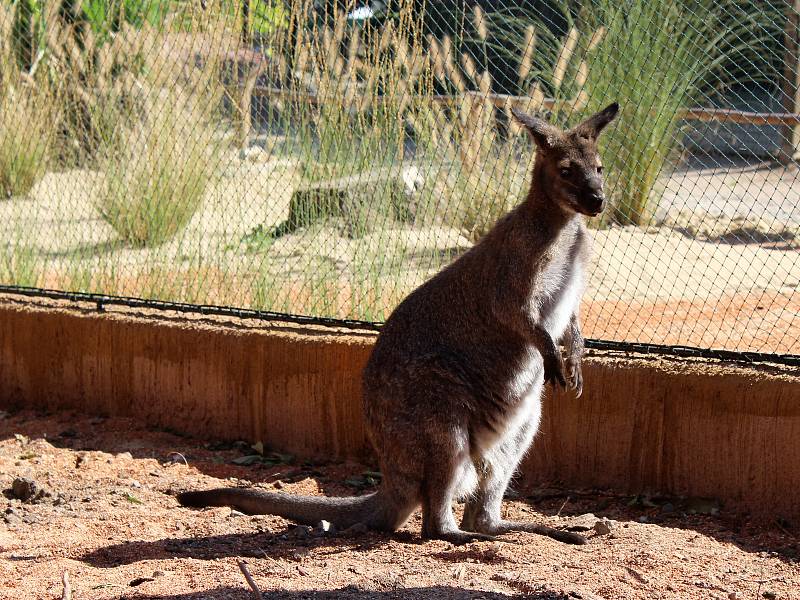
(568, 170)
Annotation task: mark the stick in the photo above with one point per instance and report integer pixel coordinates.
(67, 593)
(243, 568)
(558, 514)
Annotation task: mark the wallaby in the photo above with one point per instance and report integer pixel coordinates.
(452, 390)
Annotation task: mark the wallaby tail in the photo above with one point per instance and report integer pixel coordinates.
(344, 512)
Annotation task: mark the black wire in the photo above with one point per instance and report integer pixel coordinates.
(628, 347)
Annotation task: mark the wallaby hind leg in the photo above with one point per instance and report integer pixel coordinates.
(445, 474)
(482, 512)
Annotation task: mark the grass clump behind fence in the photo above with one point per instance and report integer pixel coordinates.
(157, 170)
(656, 57)
(26, 117)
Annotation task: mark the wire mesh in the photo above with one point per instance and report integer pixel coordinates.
(324, 158)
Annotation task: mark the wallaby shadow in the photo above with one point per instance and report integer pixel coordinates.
(277, 545)
(354, 593)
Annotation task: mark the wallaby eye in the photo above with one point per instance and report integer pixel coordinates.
(599, 170)
(565, 172)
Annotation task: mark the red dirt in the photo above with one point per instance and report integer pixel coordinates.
(113, 526)
(761, 321)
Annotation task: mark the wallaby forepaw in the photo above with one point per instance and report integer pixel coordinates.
(554, 372)
(575, 376)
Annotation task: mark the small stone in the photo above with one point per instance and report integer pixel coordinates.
(124, 455)
(583, 522)
(602, 527)
(668, 508)
(158, 574)
(643, 519)
(12, 517)
(135, 484)
(236, 513)
(734, 596)
(769, 594)
(27, 490)
(277, 485)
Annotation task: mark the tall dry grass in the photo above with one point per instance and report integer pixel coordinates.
(28, 111)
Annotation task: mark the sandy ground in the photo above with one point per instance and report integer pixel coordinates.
(111, 523)
(694, 283)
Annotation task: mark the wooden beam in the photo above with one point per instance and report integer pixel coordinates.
(721, 115)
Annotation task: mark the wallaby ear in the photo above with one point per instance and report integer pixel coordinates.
(543, 133)
(597, 122)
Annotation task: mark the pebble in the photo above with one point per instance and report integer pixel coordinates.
(27, 490)
(11, 517)
(769, 594)
(602, 527)
(734, 596)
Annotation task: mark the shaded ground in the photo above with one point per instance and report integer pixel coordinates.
(111, 523)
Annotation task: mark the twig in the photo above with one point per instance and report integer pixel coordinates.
(67, 593)
(179, 455)
(558, 514)
(245, 571)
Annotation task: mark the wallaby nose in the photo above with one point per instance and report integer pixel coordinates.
(596, 202)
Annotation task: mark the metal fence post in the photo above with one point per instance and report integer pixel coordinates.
(790, 145)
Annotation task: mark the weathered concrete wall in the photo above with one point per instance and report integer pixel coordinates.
(643, 424)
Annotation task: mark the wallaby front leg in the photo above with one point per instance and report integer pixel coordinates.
(574, 345)
(551, 355)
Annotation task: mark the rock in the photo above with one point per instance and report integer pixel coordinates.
(602, 527)
(362, 200)
(643, 519)
(769, 594)
(12, 516)
(734, 596)
(583, 522)
(235, 513)
(324, 528)
(124, 455)
(27, 490)
(668, 508)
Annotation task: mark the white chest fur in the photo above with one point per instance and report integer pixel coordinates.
(563, 302)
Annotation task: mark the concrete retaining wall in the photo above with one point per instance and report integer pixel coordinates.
(643, 424)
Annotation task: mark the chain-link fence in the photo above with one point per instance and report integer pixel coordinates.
(324, 158)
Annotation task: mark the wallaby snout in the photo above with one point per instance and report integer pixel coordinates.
(595, 203)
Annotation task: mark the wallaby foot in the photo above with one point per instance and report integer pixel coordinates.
(459, 537)
(503, 526)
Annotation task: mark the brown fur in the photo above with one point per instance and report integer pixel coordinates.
(452, 390)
